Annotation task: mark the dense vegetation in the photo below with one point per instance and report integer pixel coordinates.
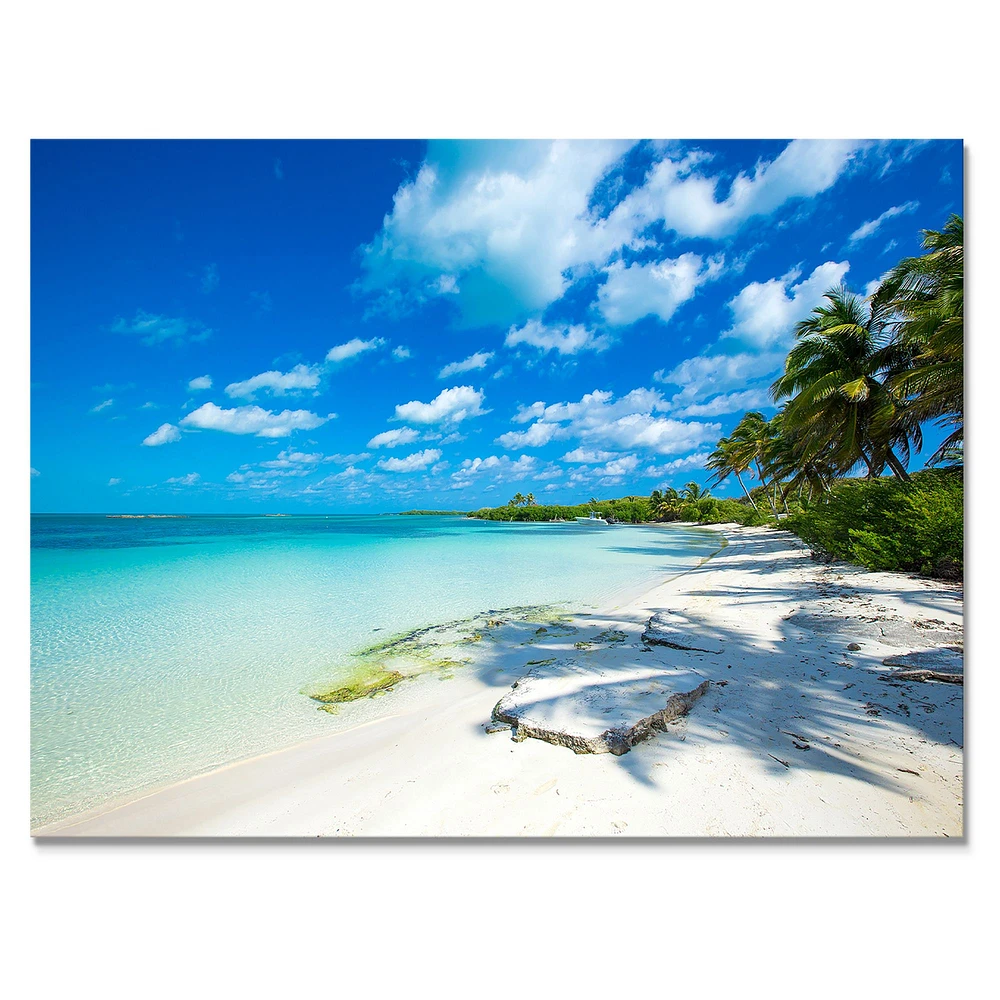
(863, 378)
(889, 524)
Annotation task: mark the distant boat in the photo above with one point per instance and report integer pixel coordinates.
(595, 520)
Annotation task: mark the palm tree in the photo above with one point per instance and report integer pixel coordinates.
(529, 499)
(692, 492)
(668, 504)
(924, 297)
(839, 376)
(517, 500)
(729, 458)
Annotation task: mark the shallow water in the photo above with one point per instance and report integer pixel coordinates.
(161, 649)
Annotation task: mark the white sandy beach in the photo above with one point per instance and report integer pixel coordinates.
(796, 736)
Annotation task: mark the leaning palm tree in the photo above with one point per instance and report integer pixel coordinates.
(839, 377)
(730, 459)
(924, 299)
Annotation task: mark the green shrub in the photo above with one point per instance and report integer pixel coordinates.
(886, 524)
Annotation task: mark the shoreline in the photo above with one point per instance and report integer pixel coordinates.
(795, 736)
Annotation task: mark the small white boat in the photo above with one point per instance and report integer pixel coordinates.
(595, 520)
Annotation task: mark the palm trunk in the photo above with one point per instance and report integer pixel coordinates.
(745, 490)
(896, 466)
(774, 510)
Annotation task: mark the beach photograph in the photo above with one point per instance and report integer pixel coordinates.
(497, 488)
(498, 515)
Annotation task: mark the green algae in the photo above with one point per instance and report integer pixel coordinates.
(425, 651)
(367, 682)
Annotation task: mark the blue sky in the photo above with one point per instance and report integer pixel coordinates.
(338, 326)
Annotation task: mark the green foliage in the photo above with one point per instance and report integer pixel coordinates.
(628, 510)
(889, 524)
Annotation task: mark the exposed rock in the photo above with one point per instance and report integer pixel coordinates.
(854, 646)
(573, 708)
(664, 629)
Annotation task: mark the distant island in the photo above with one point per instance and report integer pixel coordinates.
(131, 517)
(440, 513)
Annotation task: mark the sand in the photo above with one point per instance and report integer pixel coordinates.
(796, 735)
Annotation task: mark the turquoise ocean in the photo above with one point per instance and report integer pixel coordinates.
(163, 648)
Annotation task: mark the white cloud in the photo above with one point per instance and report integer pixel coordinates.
(163, 434)
(201, 382)
(155, 329)
(400, 353)
(209, 278)
(733, 402)
(252, 420)
(412, 463)
(34, 472)
(472, 363)
(342, 352)
(706, 375)
(493, 224)
(654, 288)
(113, 481)
(149, 406)
(564, 339)
(627, 423)
(588, 456)
(678, 192)
(500, 468)
(696, 461)
(189, 480)
(765, 313)
(300, 378)
(394, 438)
(288, 458)
(503, 228)
(872, 226)
(101, 406)
(538, 434)
(448, 406)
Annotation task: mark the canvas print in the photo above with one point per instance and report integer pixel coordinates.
(497, 488)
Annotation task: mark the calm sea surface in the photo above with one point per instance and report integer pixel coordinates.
(161, 649)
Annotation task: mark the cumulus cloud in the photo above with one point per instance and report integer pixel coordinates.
(708, 375)
(156, 329)
(562, 338)
(252, 420)
(300, 378)
(400, 353)
(631, 422)
(163, 434)
(201, 382)
(500, 468)
(189, 480)
(102, 406)
(695, 461)
(412, 463)
(732, 402)
(472, 363)
(354, 347)
(872, 226)
(448, 406)
(113, 481)
(765, 312)
(654, 288)
(587, 456)
(503, 228)
(394, 438)
(680, 192)
(538, 434)
(495, 225)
